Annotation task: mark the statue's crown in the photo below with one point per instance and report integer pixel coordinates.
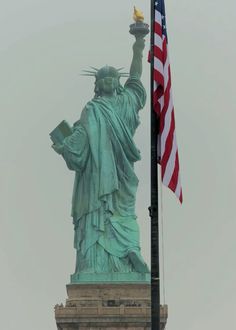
(105, 71)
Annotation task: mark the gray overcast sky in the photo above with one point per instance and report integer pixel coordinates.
(44, 45)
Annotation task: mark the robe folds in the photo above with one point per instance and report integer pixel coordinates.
(102, 153)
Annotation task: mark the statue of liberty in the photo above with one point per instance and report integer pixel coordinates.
(101, 151)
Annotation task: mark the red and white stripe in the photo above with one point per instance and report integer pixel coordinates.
(163, 106)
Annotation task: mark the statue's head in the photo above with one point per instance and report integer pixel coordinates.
(107, 80)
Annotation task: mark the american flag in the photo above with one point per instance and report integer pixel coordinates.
(163, 104)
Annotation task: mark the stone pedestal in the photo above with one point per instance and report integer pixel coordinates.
(107, 306)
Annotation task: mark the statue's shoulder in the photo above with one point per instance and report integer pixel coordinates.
(93, 104)
(89, 107)
(89, 111)
(136, 91)
(133, 82)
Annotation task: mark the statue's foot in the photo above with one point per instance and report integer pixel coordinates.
(139, 265)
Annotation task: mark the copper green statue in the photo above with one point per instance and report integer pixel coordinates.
(101, 151)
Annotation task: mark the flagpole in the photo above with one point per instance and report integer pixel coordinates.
(155, 269)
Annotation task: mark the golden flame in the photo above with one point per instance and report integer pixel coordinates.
(138, 15)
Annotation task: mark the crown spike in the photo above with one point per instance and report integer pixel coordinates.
(87, 74)
(88, 71)
(94, 68)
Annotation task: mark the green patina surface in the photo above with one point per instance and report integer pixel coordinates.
(115, 277)
(102, 153)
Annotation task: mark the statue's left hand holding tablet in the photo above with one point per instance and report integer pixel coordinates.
(59, 134)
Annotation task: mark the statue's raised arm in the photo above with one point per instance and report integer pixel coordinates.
(139, 29)
(136, 64)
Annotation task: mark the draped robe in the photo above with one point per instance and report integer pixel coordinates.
(102, 153)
